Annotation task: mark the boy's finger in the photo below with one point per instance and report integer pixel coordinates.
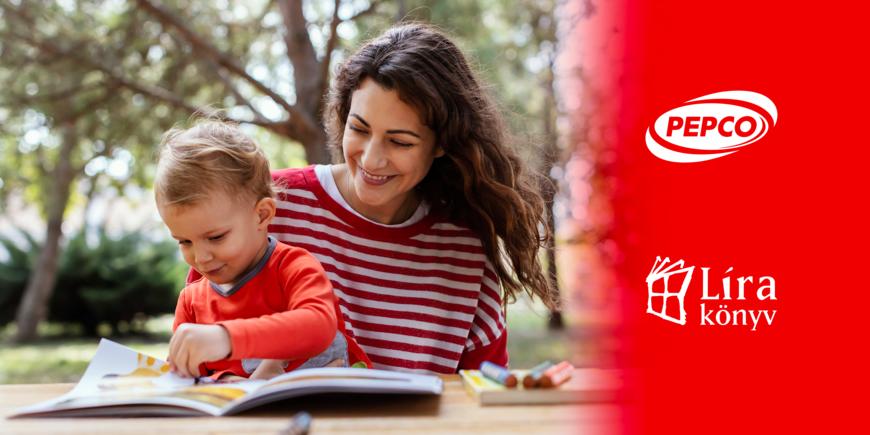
(193, 366)
(173, 348)
(181, 363)
(173, 360)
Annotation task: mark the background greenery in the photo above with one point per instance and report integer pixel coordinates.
(63, 358)
(117, 282)
(90, 85)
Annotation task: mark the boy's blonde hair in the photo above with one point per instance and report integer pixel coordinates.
(211, 155)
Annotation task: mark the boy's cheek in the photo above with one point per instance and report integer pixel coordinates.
(188, 256)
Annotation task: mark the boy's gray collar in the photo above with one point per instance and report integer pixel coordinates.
(249, 275)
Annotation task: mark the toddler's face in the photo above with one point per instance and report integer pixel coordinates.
(220, 237)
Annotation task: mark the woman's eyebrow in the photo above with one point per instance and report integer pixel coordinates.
(360, 119)
(395, 131)
(404, 132)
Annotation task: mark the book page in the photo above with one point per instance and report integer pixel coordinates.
(338, 380)
(118, 375)
(120, 381)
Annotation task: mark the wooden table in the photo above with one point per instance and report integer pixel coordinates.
(454, 412)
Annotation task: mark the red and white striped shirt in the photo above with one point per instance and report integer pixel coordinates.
(420, 298)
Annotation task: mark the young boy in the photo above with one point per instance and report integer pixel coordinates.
(257, 299)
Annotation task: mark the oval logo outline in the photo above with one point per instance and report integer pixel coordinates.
(698, 148)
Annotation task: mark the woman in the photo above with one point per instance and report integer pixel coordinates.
(429, 223)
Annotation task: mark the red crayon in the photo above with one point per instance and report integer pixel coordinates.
(557, 375)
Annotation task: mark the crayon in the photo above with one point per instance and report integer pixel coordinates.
(499, 374)
(557, 375)
(300, 424)
(533, 378)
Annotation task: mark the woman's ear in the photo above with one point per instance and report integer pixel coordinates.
(439, 151)
(265, 210)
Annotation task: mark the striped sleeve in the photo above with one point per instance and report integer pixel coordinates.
(418, 298)
(489, 323)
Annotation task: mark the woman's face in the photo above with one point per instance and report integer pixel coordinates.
(388, 151)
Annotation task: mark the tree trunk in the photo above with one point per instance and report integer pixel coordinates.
(89, 199)
(555, 322)
(551, 156)
(34, 303)
(401, 11)
(316, 150)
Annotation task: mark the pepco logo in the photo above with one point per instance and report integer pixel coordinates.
(711, 126)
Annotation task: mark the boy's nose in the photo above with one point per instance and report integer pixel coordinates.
(202, 256)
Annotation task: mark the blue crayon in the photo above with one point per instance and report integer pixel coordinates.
(499, 374)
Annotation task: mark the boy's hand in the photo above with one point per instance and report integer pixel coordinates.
(268, 369)
(193, 344)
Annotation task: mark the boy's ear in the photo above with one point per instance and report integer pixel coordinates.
(265, 209)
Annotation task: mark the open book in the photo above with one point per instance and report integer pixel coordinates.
(122, 382)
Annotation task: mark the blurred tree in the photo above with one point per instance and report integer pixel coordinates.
(124, 69)
(103, 282)
(93, 82)
(542, 19)
(14, 273)
(108, 282)
(273, 64)
(64, 123)
(516, 45)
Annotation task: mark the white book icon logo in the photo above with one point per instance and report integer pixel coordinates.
(659, 293)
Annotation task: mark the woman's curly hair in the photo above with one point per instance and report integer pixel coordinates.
(480, 181)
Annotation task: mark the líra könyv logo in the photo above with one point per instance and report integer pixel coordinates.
(668, 284)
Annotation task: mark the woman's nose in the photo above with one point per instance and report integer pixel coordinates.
(374, 156)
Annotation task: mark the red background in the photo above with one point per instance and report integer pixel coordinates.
(791, 206)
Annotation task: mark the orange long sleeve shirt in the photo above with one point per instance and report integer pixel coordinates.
(286, 311)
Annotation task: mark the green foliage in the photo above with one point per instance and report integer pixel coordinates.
(529, 343)
(512, 44)
(58, 64)
(14, 272)
(116, 281)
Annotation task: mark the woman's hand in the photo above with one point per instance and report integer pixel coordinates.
(268, 369)
(193, 344)
(229, 379)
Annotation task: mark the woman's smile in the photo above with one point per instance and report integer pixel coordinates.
(375, 180)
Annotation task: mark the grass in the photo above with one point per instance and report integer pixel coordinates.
(64, 359)
(61, 358)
